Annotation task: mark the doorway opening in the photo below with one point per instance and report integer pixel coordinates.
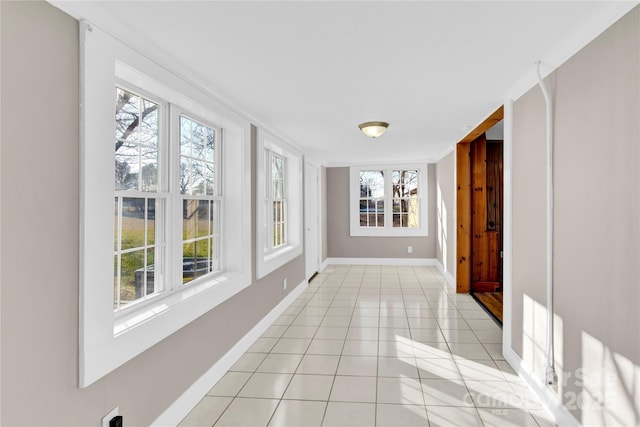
(480, 195)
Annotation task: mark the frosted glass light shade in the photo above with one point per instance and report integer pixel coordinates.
(373, 129)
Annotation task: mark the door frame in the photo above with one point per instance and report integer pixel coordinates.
(463, 201)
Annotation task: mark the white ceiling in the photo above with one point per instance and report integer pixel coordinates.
(311, 71)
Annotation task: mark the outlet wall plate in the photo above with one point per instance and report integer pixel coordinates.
(109, 416)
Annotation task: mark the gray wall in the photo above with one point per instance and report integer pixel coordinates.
(597, 222)
(39, 250)
(341, 244)
(445, 213)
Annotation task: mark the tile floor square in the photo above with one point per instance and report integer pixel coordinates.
(230, 384)
(309, 387)
(404, 391)
(341, 414)
(401, 415)
(353, 389)
(318, 364)
(280, 363)
(248, 412)
(298, 413)
(358, 365)
(264, 385)
(206, 412)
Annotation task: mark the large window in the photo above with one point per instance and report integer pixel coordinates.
(388, 201)
(276, 201)
(165, 204)
(279, 203)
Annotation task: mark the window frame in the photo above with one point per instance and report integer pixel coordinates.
(355, 229)
(160, 194)
(268, 258)
(271, 199)
(108, 339)
(176, 113)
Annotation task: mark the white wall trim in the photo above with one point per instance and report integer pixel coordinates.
(446, 274)
(560, 413)
(507, 266)
(431, 262)
(324, 264)
(181, 407)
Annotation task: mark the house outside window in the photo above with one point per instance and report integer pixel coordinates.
(388, 200)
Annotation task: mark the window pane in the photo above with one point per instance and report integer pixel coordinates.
(405, 183)
(198, 142)
(151, 255)
(202, 222)
(209, 179)
(185, 136)
(126, 166)
(149, 128)
(133, 212)
(414, 218)
(406, 201)
(189, 219)
(199, 219)
(131, 276)
(127, 114)
(116, 225)
(211, 138)
(136, 155)
(195, 260)
(184, 175)
(372, 184)
(151, 221)
(197, 167)
(197, 184)
(149, 170)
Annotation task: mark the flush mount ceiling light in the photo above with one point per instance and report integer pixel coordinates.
(373, 129)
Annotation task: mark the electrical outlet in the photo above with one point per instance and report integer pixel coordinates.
(409, 249)
(284, 284)
(107, 418)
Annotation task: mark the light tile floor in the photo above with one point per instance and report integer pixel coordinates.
(374, 346)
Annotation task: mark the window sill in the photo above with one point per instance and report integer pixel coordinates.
(155, 306)
(273, 260)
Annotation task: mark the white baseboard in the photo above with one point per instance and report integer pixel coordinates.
(550, 401)
(323, 265)
(383, 261)
(190, 398)
(446, 274)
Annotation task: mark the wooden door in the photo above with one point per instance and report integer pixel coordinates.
(486, 215)
(475, 235)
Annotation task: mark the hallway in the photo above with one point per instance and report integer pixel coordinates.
(374, 346)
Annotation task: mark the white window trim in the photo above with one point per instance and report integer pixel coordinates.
(388, 230)
(106, 340)
(268, 261)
